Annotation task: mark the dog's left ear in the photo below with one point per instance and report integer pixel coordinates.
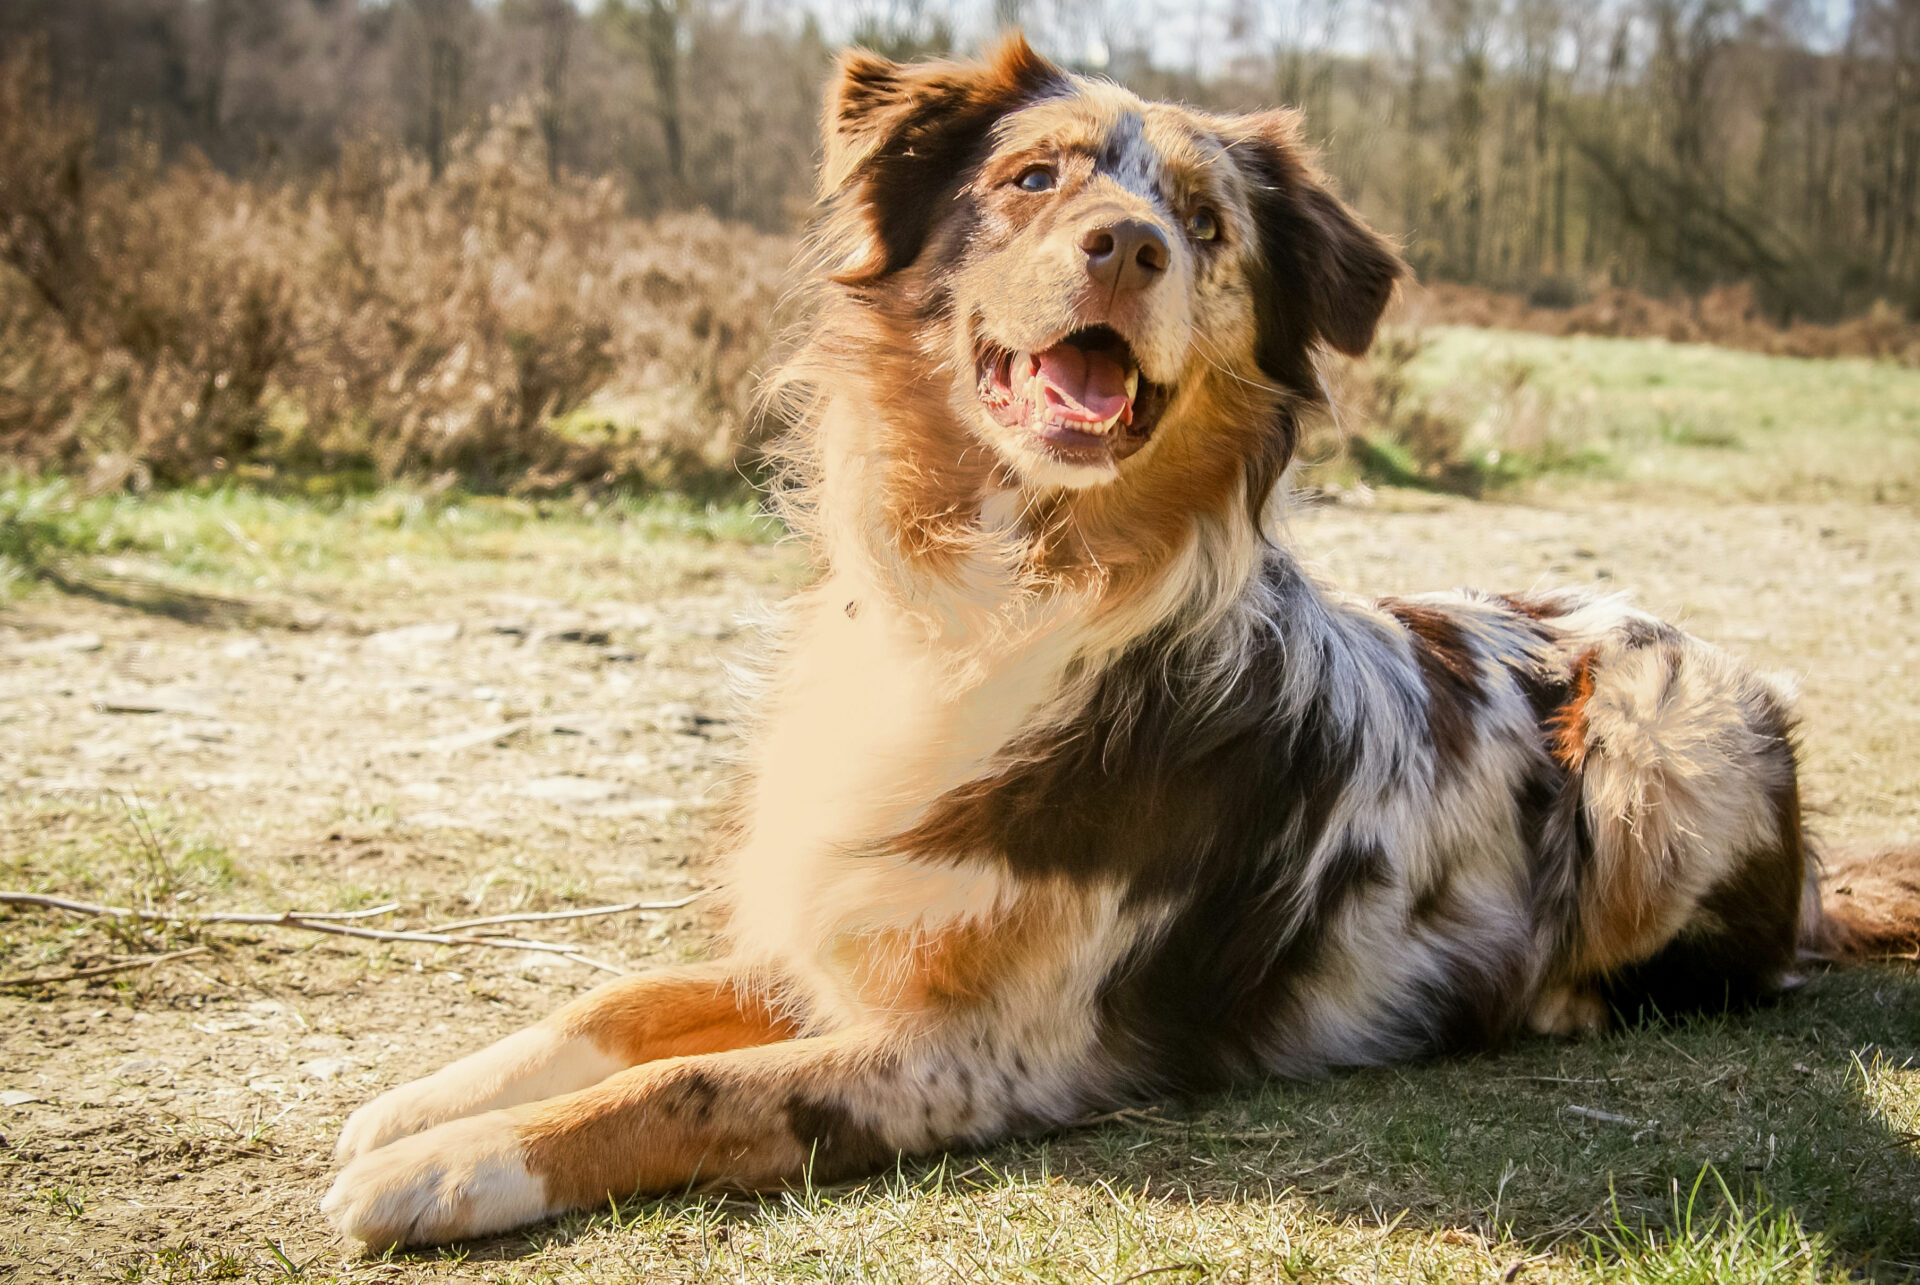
(900, 138)
(1330, 276)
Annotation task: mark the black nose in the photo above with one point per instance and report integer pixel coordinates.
(1129, 254)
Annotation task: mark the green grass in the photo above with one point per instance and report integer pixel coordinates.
(236, 540)
(1647, 417)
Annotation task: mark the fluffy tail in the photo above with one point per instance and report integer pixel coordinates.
(1865, 905)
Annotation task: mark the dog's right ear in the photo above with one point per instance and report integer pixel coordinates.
(900, 138)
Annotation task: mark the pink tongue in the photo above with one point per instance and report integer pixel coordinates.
(1082, 385)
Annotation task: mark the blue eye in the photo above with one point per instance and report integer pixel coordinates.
(1203, 224)
(1037, 179)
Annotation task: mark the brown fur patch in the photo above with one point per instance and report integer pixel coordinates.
(1451, 676)
(903, 136)
(1739, 941)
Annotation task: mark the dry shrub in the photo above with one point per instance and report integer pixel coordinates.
(1388, 433)
(1729, 317)
(1469, 439)
(495, 325)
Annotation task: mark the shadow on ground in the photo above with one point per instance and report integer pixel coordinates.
(1805, 1108)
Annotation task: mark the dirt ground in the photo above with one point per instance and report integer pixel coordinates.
(492, 735)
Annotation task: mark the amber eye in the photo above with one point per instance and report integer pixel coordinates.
(1036, 179)
(1203, 225)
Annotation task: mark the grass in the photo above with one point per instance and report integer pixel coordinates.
(1648, 418)
(236, 540)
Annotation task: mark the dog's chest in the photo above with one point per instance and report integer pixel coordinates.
(871, 722)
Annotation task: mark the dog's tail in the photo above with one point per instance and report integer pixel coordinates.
(1863, 904)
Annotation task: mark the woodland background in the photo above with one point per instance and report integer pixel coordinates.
(535, 244)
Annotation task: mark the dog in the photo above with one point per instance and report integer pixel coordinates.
(1072, 787)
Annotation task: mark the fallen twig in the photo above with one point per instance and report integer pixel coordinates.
(190, 916)
(316, 921)
(1161, 1271)
(99, 970)
(1145, 1119)
(1605, 1117)
(539, 916)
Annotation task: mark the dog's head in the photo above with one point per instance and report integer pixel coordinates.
(1102, 280)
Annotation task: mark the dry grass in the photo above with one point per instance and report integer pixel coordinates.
(495, 326)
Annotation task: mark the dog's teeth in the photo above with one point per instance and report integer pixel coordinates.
(1133, 385)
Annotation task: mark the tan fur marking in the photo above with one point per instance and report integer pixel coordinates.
(1871, 905)
(1567, 729)
(722, 1120)
(673, 1013)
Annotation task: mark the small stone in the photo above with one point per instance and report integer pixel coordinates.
(73, 642)
(437, 633)
(160, 700)
(570, 789)
(327, 1068)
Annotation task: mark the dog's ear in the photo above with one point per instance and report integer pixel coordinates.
(900, 138)
(1330, 276)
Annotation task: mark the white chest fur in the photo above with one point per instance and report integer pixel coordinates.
(879, 711)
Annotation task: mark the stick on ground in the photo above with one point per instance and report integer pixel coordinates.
(99, 970)
(314, 921)
(539, 916)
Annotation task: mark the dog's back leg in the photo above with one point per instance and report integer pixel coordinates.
(823, 1107)
(667, 1013)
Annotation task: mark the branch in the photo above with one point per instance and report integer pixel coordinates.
(314, 921)
(189, 917)
(545, 915)
(102, 970)
(1608, 1117)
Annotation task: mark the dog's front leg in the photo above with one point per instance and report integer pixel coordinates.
(668, 1013)
(822, 1107)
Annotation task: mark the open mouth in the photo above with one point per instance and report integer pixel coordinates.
(1083, 398)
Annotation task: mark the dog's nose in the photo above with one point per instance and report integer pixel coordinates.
(1129, 254)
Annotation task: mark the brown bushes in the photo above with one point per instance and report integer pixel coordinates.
(495, 326)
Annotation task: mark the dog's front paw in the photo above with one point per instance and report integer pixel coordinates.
(398, 1113)
(461, 1179)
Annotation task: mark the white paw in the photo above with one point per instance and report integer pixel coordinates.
(527, 1066)
(461, 1179)
(398, 1113)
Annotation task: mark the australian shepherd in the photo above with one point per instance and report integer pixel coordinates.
(1071, 785)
